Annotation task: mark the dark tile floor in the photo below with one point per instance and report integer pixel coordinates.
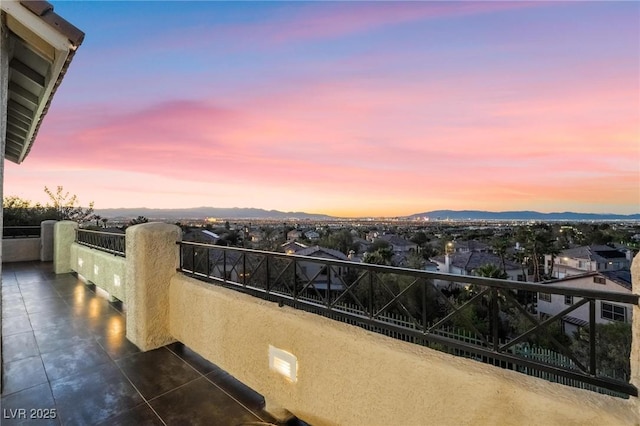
(65, 357)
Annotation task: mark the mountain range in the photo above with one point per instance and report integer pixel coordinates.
(520, 215)
(253, 213)
(204, 212)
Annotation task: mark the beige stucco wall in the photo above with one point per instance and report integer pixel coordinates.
(65, 235)
(20, 249)
(102, 269)
(152, 259)
(347, 375)
(47, 235)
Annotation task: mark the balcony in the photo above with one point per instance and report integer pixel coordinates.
(346, 362)
(65, 356)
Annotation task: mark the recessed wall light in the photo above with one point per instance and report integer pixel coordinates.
(284, 363)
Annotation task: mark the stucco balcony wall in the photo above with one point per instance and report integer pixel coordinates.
(347, 375)
(105, 270)
(20, 249)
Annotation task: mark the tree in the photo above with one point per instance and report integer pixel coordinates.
(500, 245)
(491, 271)
(67, 207)
(382, 256)
(104, 222)
(138, 220)
(341, 241)
(21, 212)
(420, 238)
(538, 241)
(613, 348)
(520, 257)
(415, 261)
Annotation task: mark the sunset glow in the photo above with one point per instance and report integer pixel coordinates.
(348, 109)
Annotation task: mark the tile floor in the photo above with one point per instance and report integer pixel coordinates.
(65, 356)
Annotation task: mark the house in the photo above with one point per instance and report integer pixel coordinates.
(199, 235)
(292, 247)
(586, 259)
(372, 235)
(363, 245)
(399, 244)
(467, 264)
(294, 235)
(606, 312)
(470, 246)
(312, 235)
(256, 236)
(323, 276)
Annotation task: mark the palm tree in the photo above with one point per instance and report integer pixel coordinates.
(490, 270)
(554, 251)
(500, 245)
(521, 257)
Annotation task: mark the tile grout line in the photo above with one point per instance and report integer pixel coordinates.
(236, 400)
(213, 383)
(139, 393)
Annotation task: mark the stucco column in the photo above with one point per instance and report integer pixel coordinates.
(46, 240)
(635, 338)
(4, 98)
(64, 236)
(152, 259)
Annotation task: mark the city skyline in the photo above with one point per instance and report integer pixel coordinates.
(346, 109)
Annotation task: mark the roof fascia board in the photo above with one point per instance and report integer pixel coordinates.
(52, 78)
(48, 34)
(36, 25)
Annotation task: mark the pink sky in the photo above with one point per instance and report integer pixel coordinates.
(350, 109)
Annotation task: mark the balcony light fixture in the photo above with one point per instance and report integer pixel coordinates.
(80, 262)
(116, 280)
(284, 363)
(96, 269)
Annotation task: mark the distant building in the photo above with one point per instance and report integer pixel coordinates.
(363, 245)
(326, 276)
(199, 235)
(256, 236)
(587, 259)
(399, 244)
(292, 247)
(312, 235)
(294, 235)
(468, 263)
(470, 246)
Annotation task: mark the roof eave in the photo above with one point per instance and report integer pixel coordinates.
(53, 39)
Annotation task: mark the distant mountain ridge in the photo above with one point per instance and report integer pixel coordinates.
(520, 215)
(204, 212)
(254, 213)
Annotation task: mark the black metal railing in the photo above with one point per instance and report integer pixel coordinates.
(21, 231)
(490, 320)
(109, 242)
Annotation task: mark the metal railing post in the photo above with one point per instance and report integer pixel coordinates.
(592, 337)
(328, 294)
(244, 269)
(494, 318)
(295, 280)
(267, 284)
(370, 301)
(193, 261)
